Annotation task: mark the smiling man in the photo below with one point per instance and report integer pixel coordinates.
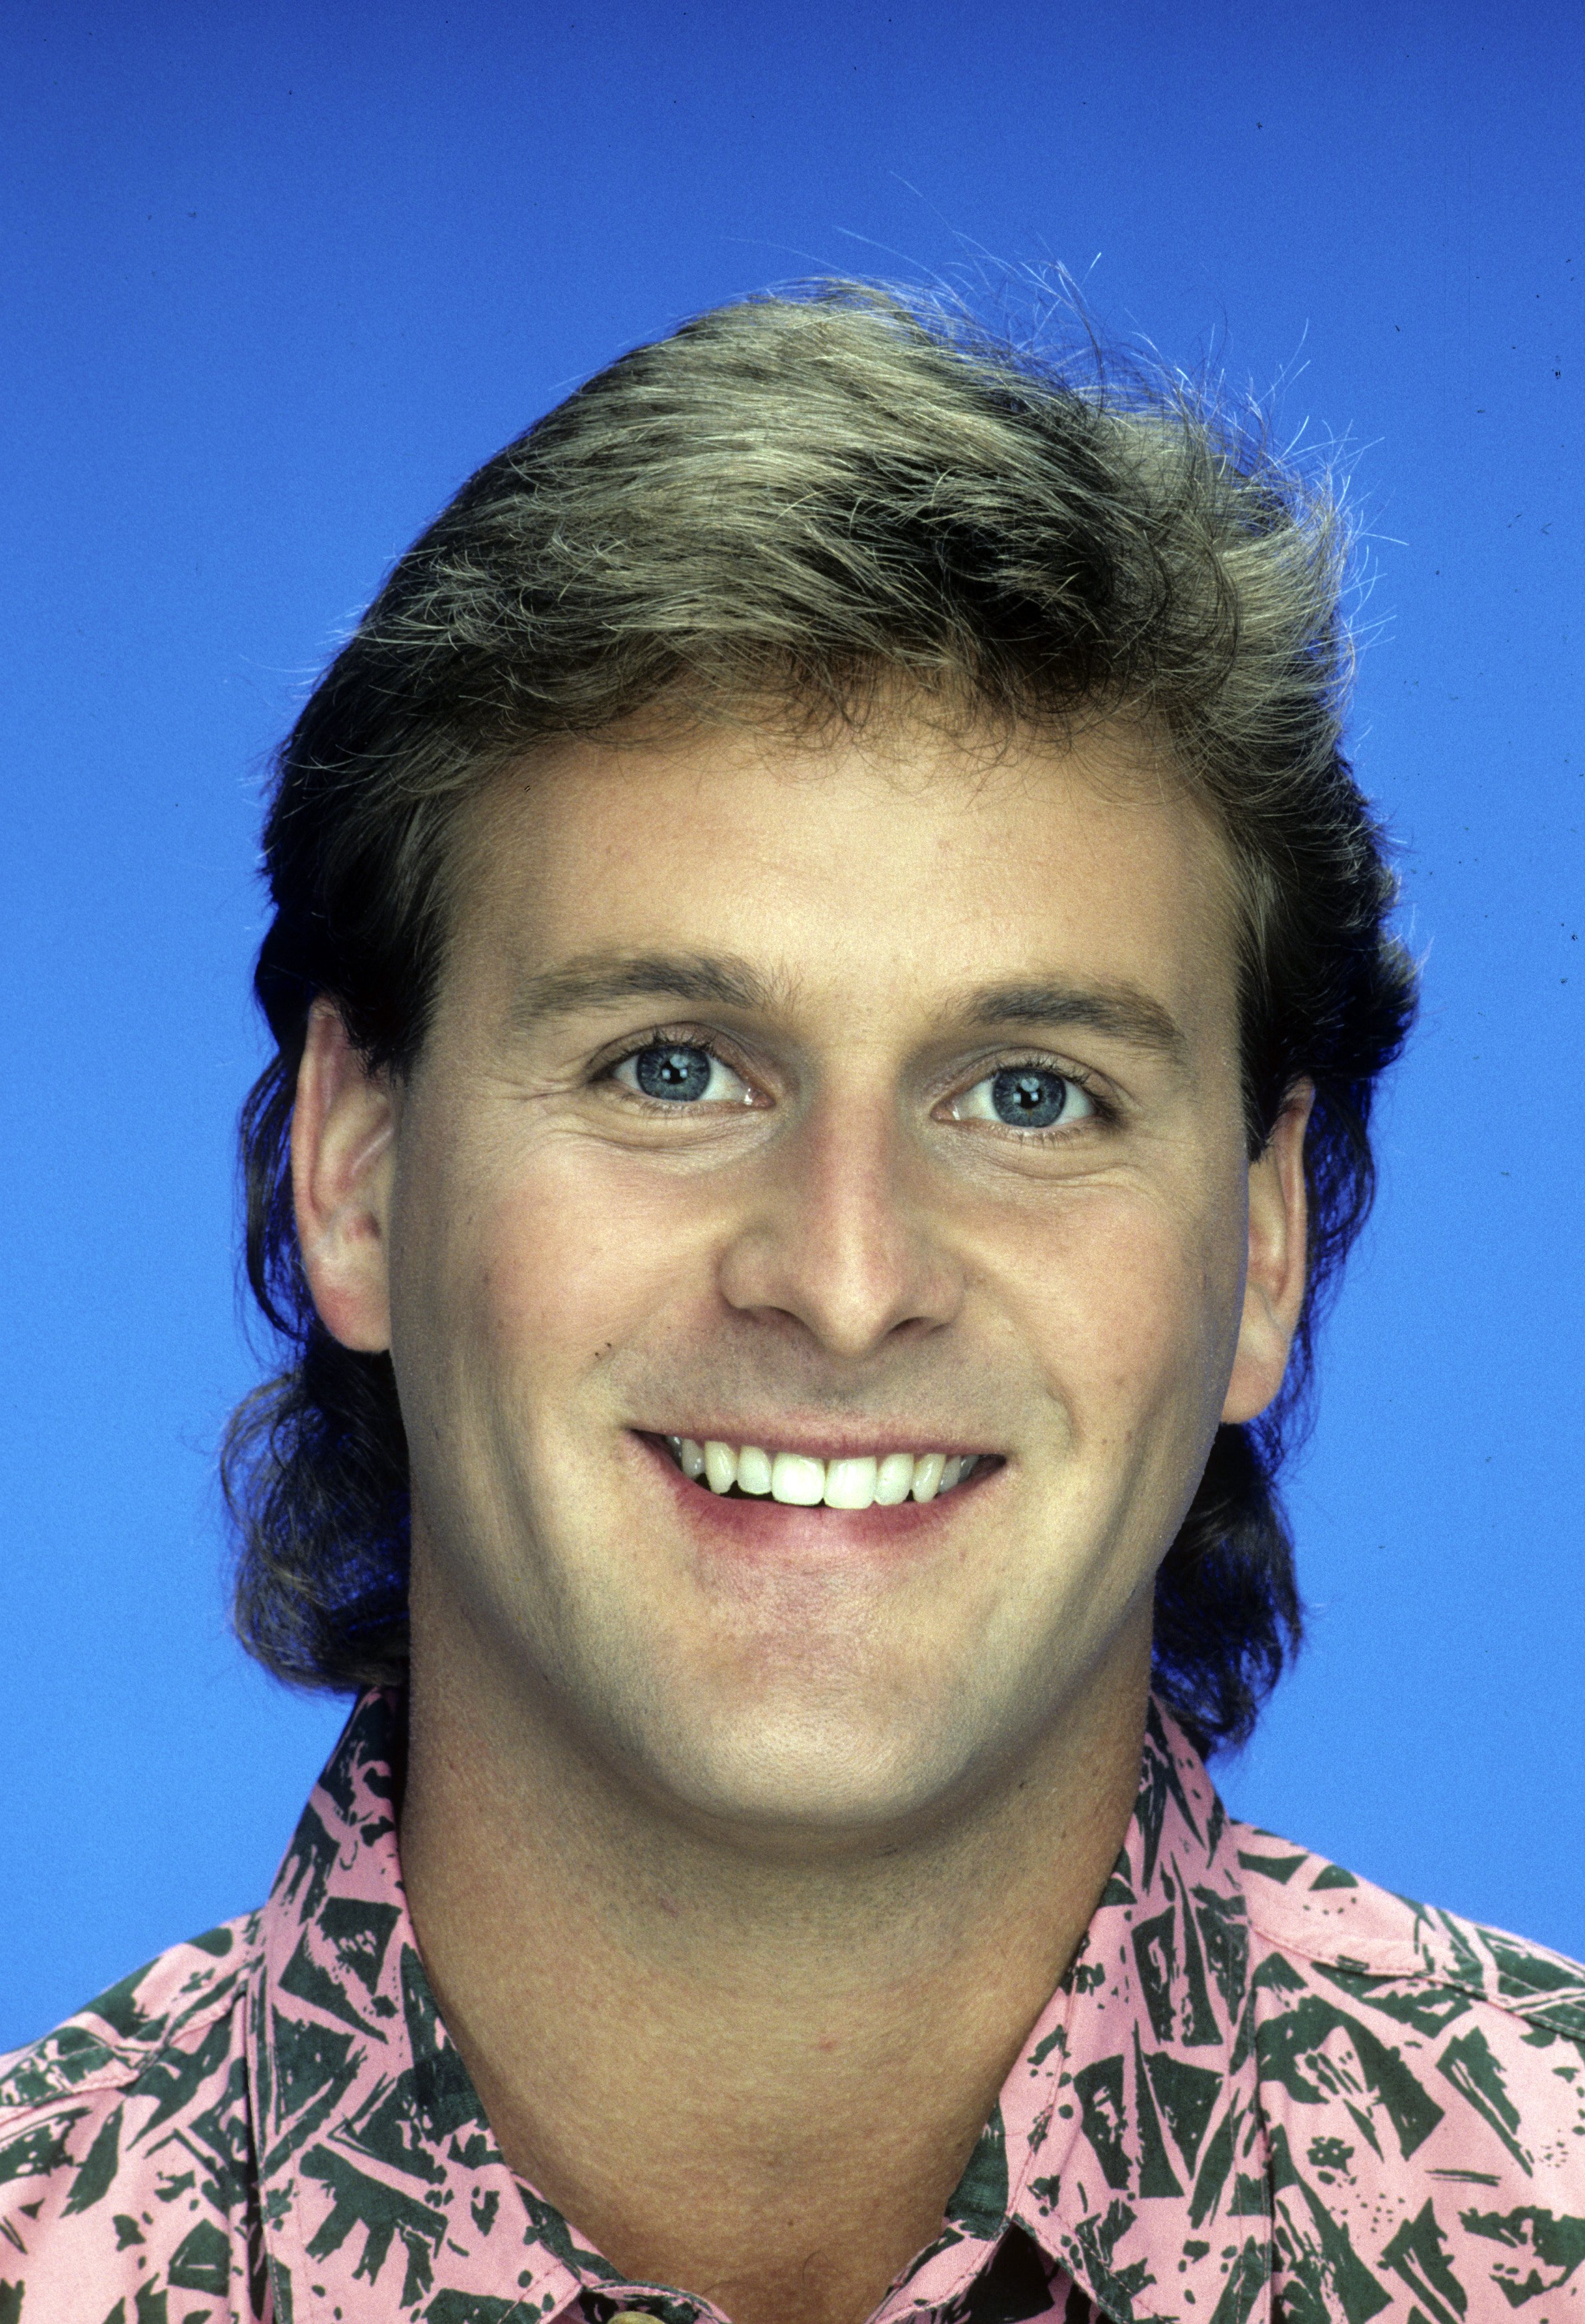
(828, 974)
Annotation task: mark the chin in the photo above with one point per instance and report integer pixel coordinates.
(810, 1780)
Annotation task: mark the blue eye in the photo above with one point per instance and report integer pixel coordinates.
(680, 1073)
(1024, 1097)
(677, 1073)
(1031, 1099)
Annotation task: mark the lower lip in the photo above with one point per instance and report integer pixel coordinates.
(757, 1523)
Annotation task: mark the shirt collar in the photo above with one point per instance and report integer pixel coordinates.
(376, 2163)
(1136, 2104)
(1127, 2143)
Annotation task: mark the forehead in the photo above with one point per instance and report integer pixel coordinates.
(875, 870)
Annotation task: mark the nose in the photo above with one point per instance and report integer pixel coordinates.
(839, 1237)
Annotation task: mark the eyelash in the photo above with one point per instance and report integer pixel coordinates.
(1107, 1113)
(662, 1036)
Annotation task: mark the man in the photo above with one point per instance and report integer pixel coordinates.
(828, 973)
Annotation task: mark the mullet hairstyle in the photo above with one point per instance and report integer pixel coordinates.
(790, 508)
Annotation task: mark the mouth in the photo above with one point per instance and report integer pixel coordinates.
(878, 1479)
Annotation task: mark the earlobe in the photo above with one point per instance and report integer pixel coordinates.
(343, 1134)
(1274, 1283)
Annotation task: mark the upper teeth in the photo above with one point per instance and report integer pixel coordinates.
(842, 1484)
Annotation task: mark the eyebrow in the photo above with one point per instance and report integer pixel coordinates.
(1114, 1008)
(1118, 1011)
(597, 980)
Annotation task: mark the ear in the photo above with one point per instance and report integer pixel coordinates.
(1273, 1286)
(343, 1133)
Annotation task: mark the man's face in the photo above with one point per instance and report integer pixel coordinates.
(843, 1103)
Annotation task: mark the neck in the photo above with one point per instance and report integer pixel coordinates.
(752, 2075)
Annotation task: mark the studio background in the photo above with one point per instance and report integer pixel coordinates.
(275, 281)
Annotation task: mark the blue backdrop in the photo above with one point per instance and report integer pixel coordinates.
(276, 279)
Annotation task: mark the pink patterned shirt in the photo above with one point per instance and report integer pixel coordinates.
(1264, 2090)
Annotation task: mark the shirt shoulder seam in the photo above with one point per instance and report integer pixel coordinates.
(125, 2060)
(1545, 2008)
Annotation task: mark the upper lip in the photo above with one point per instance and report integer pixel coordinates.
(844, 1444)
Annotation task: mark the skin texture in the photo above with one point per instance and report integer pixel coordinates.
(813, 1808)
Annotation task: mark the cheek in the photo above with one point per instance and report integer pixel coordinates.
(1134, 1308)
(560, 1267)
